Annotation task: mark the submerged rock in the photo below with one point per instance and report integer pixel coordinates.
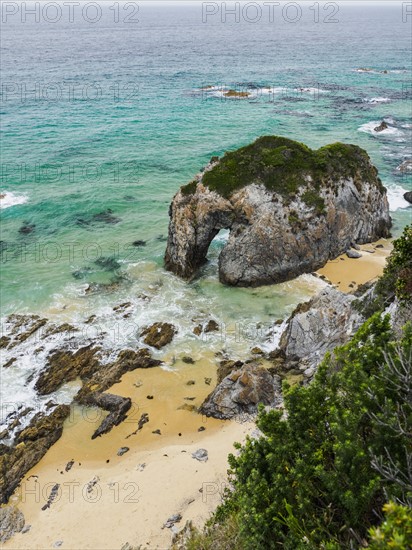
(159, 335)
(241, 392)
(289, 210)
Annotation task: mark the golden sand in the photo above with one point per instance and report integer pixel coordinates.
(347, 274)
(136, 493)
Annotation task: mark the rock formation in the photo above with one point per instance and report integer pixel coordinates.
(315, 328)
(240, 393)
(289, 210)
(31, 444)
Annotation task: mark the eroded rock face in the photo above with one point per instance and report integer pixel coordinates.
(241, 392)
(30, 446)
(278, 229)
(316, 327)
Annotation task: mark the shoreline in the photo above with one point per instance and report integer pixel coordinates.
(135, 494)
(347, 274)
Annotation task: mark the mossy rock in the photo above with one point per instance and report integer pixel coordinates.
(288, 167)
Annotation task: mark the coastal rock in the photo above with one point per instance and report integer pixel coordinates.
(65, 366)
(201, 455)
(408, 196)
(405, 166)
(226, 367)
(353, 254)
(241, 392)
(159, 335)
(289, 210)
(316, 327)
(382, 126)
(11, 522)
(115, 404)
(30, 445)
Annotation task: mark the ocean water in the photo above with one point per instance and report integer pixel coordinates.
(103, 121)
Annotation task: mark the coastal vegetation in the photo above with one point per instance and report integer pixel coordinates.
(333, 469)
(285, 166)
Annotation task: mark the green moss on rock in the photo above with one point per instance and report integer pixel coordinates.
(284, 166)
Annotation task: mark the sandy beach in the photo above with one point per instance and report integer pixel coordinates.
(349, 273)
(134, 494)
(105, 500)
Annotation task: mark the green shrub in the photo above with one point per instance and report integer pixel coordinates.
(395, 533)
(313, 481)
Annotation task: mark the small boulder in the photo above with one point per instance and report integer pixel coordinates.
(159, 335)
(122, 451)
(212, 326)
(382, 126)
(353, 254)
(408, 196)
(201, 455)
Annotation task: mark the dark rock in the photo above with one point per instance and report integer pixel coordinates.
(201, 429)
(172, 520)
(211, 326)
(157, 432)
(65, 366)
(115, 404)
(69, 465)
(408, 196)
(241, 392)
(159, 335)
(382, 126)
(106, 217)
(198, 330)
(53, 494)
(188, 360)
(11, 522)
(122, 451)
(107, 263)
(30, 445)
(139, 243)
(27, 228)
(190, 383)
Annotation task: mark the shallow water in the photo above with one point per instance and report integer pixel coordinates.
(101, 123)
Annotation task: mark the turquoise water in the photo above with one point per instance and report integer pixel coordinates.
(152, 127)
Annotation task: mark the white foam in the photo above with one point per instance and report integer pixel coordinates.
(377, 100)
(369, 128)
(7, 199)
(395, 198)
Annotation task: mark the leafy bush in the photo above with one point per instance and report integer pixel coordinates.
(396, 281)
(282, 165)
(395, 533)
(314, 480)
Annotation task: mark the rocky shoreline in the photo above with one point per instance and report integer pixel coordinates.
(274, 236)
